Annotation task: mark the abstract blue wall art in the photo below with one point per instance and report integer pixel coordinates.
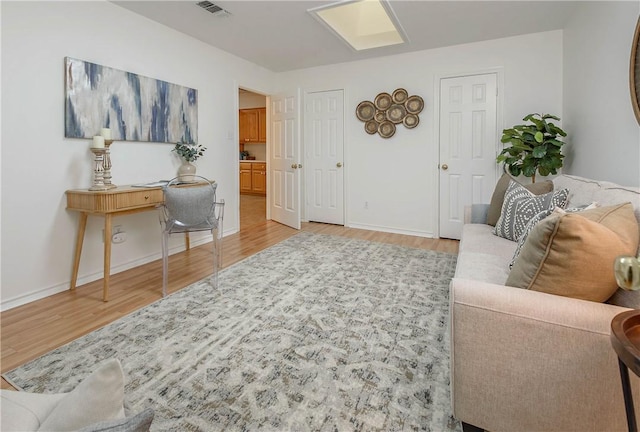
(135, 107)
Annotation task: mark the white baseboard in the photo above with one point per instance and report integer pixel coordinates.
(392, 230)
(6, 304)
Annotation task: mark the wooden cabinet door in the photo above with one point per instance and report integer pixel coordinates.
(259, 178)
(253, 125)
(245, 178)
(262, 125)
(242, 117)
(248, 125)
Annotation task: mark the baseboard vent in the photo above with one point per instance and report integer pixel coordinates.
(213, 8)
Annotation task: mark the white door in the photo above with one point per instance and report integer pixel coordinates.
(324, 156)
(468, 145)
(284, 160)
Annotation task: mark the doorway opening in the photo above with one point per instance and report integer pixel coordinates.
(252, 124)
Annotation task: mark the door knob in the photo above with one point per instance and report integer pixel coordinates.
(445, 167)
(294, 166)
(299, 165)
(339, 164)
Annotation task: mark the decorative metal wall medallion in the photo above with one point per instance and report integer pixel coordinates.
(371, 127)
(383, 101)
(380, 116)
(411, 121)
(386, 129)
(387, 110)
(365, 111)
(414, 104)
(396, 113)
(400, 95)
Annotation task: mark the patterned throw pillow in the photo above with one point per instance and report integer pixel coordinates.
(527, 229)
(520, 206)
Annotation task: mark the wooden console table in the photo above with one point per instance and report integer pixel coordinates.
(120, 201)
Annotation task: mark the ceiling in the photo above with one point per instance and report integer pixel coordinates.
(281, 35)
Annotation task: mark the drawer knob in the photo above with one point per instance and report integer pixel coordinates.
(146, 197)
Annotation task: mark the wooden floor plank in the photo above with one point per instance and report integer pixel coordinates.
(31, 330)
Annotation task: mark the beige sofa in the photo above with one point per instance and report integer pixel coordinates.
(525, 360)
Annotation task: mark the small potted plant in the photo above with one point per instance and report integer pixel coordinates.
(535, 148)
(188, 153)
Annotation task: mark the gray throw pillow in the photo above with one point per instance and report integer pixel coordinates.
(495, 207)
(527, 229)
(520, 206)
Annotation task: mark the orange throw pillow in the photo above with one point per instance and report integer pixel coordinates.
(572, 255)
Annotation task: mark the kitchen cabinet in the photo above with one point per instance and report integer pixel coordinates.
(253, 178)
(253, 125)
(259, 178)
(262, 125)
(245, 177)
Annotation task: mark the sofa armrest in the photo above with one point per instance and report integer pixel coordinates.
(476, 213)
(525, 360)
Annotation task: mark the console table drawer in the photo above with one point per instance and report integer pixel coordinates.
(139, 198)
(124, 198)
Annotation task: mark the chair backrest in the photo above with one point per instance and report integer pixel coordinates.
(191, 206)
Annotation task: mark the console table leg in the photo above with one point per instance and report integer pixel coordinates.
(107, 256)
(82, 225)
(628, 397)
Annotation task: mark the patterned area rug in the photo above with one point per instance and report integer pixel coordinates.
(318, 332)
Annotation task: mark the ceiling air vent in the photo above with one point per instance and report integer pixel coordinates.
(213, 8)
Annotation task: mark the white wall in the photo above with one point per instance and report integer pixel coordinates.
(604, 134)
(398, 176)
(39, 164)
(251, 100)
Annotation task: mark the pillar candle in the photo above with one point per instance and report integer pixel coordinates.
(106, 133)
(98, 141)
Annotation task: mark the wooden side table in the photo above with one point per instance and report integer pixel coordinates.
(119, 201)
(625, 338)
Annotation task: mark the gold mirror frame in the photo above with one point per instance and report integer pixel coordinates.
(634, 72)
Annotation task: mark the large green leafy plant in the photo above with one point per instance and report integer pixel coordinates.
(535, 147)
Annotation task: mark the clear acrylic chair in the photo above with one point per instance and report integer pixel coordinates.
(188, 208)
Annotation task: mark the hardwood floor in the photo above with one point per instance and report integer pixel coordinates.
(28, 331)
(253, 210)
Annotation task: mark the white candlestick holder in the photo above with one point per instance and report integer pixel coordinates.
(107, 165)
(98, 171)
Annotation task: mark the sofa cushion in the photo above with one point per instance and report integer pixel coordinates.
(482, 255)
(24, 411)
(520, 206)
(572, 254)
(495, 207)
(99, 397)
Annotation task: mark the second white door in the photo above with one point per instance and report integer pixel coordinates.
(468, 144)
(324, 156)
